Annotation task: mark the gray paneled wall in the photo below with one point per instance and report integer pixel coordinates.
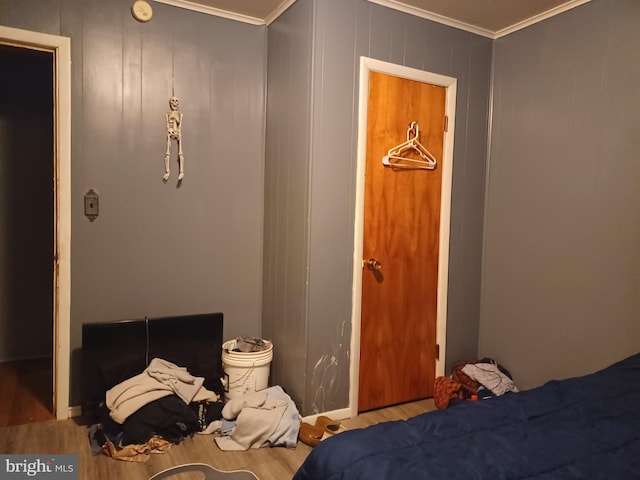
(342, 31)
(161, 249)
(561, 271)
(286, 202)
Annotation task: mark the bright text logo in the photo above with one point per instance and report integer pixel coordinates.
(51, 467)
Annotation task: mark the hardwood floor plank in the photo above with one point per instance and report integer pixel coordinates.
(68, 437)
(27, 391)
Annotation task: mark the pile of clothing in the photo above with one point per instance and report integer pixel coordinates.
(158, 408)
(268, 418)
(247, 344)
(150, 412)
(474, 380)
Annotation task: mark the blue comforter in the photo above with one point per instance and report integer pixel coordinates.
(580, 428)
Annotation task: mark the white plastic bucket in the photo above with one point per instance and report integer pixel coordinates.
(245, 372)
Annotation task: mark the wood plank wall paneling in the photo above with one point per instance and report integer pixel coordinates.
(144, 223)
(312, 243)
(29, 15)
(306, 262)
(157, 249)
(562, 262)
(345, 31)
(287, 170)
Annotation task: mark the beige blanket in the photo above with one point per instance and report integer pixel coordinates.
(159, 379)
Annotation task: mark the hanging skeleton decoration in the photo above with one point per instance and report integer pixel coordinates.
(174, 132)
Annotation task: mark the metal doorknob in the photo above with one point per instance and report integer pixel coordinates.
(373, 264)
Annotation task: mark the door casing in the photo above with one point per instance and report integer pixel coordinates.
(60, 47)
(366, 66)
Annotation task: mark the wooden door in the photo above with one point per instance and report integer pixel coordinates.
(401, 232)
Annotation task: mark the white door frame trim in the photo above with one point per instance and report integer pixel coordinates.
(61, 49)
(366, 66)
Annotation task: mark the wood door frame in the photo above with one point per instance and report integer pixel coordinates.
(60, 47)
(368, 65)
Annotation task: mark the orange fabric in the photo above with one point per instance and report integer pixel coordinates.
(444, 390)
(469, 385)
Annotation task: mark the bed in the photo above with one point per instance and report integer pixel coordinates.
(580, 428)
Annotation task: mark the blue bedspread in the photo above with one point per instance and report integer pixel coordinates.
(580, 428)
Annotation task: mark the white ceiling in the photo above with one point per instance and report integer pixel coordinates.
(491, 18)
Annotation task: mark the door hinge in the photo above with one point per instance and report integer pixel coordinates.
(446, 123)
(437, 352)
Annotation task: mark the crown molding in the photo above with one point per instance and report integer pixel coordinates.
(186, 4)
(540, 17)
(418, 12)
(394, 4)
(278, 11)
(397, 5)
(218, 12)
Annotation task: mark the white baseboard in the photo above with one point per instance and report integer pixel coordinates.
(341, 414)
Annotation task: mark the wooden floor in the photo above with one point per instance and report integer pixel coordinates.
(67, 436)
(26, 391)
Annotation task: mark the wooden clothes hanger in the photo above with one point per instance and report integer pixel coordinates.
(395, 159)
